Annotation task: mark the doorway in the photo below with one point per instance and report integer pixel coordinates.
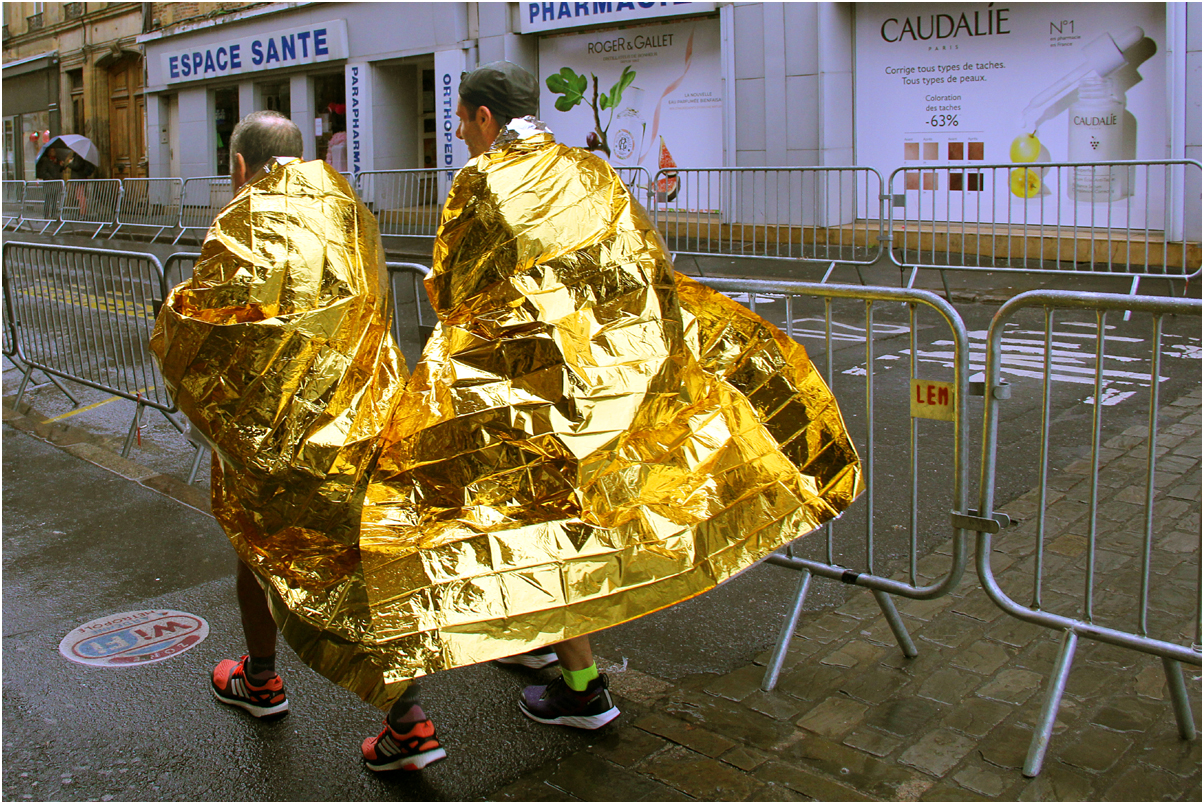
(330, 109)
(127, 116)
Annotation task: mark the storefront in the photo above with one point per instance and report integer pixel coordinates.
(31, 112)
(358, 79)
(384, 77)
(651, 85)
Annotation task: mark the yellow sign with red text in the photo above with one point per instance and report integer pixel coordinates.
(932, 400)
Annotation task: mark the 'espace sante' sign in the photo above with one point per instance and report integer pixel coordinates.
(553, 16)
(318, 42)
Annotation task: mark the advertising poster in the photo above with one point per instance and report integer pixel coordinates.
(646, 96)
(1015, 85)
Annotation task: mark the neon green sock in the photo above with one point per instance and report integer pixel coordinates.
(578, 680)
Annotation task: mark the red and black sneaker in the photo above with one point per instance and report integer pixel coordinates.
(231, 686)
(410, 750)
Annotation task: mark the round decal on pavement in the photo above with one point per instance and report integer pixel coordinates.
(134, 637)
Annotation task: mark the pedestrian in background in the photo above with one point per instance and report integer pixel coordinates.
(50, 169)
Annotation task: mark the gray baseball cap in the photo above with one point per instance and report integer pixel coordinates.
(503, 87)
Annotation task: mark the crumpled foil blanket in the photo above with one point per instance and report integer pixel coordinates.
(589, 437)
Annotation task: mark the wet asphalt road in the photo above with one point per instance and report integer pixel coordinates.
(81, 542)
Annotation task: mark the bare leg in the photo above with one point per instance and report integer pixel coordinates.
(257, 624)
(574, 654)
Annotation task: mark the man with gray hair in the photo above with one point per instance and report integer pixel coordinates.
(256, 139)
(254, 292)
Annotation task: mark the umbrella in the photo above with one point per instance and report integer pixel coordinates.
(81, 145)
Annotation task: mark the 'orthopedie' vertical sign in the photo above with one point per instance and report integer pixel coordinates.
(450, 150)
(359, 117)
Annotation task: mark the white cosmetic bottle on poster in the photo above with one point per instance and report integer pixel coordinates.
(1096, 134)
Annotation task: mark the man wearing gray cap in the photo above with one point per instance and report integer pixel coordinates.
(491, 98)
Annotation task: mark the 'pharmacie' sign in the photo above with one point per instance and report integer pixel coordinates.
(321, 41)
(545, 16)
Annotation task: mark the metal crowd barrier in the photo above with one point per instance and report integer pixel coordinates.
(1046, 607)
(201, 198)
(639, 184)
(771, 212)
(149, 203)
(10, 349)
(41, 204)
(86, 315)
(176, 268)
(413, 317)
(13, 199)
(405, 202)
(1134, 218)
(806, 310)
(90, 202)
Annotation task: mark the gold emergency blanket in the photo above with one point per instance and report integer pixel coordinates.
(588, 436)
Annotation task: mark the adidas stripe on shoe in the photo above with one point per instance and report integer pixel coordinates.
(230, 685)
(410, 750)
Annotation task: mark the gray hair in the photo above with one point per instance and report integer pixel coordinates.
(262, 135)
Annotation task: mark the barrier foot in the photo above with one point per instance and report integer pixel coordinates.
(63, 388)
(1174, 680)
(911, 278)
(945, 282)
(1132, 292)
(774, 668)
(887, 604)
(196, 464)
(52, 380)
(24, 384)
(134, 425)
(1049, 712)
(828, 273)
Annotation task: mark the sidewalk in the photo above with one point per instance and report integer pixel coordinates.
(852, 719)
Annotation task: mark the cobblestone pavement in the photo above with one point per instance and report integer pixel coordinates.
(852, 719)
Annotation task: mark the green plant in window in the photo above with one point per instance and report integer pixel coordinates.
(572, 87)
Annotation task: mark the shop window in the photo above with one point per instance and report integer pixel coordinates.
(331, 108)
(34, 133)
(225, 115)
(275, 97)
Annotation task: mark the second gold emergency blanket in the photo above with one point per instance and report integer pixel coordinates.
(588, 438)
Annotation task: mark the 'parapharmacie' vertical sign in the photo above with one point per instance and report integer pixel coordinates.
(359, 117)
